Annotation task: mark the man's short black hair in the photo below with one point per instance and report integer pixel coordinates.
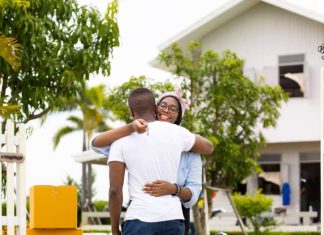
(141, 100)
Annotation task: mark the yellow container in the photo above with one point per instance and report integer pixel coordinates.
(42, 231)
(53, 207)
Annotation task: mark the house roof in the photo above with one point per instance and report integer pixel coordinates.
(223, 14)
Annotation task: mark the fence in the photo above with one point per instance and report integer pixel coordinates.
(12, 168)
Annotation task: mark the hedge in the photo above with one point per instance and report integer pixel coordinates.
(270, 233)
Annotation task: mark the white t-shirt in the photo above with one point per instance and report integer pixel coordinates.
(148, 157)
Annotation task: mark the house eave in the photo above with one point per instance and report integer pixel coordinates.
(222, 15)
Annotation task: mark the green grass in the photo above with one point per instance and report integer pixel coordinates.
(96, 231)
(270, 233)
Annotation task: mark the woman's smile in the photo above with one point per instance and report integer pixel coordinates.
(165, 117)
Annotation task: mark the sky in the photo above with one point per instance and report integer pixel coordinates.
(144, 25)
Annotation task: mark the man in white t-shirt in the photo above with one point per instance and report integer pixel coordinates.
(149, 156)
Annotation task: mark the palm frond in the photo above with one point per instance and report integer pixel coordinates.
(20, 3)
(91, 103)
(96, 96)
(7, 109)
(102, 126)
(60, 133)
(10, 51)
(76, 120)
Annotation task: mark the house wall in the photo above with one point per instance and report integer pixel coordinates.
(290, 169)
(259, 36)
(290, 172)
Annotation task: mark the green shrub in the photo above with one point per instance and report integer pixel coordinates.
(4, 208)
(96, 231)
(100, 205)
(251, 207)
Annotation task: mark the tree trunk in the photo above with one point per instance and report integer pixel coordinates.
(199, 212)
(89, 183)
(83, 175)
(83, 184)
(199, 219)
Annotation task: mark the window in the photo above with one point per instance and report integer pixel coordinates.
(291, 74)
(270, 179)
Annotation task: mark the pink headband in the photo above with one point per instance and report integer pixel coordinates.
(178, 95)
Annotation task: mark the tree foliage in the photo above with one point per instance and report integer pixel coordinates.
(91, 102)
(62, 44)
(10, 51)
(18, 3)
(227, 107)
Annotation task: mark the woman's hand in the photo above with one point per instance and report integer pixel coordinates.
(160, 188)
(139, 126)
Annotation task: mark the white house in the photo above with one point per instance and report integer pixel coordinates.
(279, 41)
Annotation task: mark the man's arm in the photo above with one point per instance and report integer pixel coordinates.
(116, 180)
(189, 181)
(202, 145)
(106, 138)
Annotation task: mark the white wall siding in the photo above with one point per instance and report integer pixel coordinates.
(259, 36)
(264, 32)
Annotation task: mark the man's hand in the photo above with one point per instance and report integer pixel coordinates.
(140, 126)
(160, 188)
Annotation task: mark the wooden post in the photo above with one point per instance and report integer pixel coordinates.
(10, 180)
(20, 182)
(206, 205)
(228, 192)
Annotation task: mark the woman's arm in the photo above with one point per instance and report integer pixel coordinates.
(106, 138)
(202, 145)
(192, 177)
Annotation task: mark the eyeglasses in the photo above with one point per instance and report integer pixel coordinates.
(171, 108)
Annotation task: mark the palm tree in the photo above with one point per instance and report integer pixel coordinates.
(10, 51)
(91, 103)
